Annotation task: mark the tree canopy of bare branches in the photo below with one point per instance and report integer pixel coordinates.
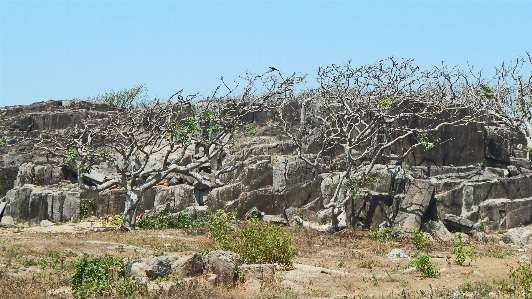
(365, 113)
(185, 135)
(506, 97)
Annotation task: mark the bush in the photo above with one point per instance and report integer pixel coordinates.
(167, 221)
(255, 242)
(124, 98)
(91, 276)
(461, 253)
(380, 235)
(522, 277)
(420, 240)
(425, 266)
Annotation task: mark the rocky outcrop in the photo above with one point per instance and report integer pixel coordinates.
(477, 175)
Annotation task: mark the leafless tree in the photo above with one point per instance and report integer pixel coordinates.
(507, 96)
(182, 135)
(365, 113)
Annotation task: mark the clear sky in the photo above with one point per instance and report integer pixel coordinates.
(75, 49)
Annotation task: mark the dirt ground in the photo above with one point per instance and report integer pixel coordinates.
(346, 264)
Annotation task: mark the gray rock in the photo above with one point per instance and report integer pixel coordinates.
(275, 219)
(438, 230)
(224, 264)
(397, 253)
(506, 213)
(150, 267)
(186, 264)
(265, 273)
(414, 206)
(458, 224)
(520, 236)
(253, 212)
(45, 223)
(513, 170)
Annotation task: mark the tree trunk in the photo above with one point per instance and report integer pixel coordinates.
(130, 209)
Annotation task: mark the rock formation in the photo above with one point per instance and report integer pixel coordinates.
(478, 176)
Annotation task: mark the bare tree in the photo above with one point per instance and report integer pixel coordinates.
(183, 135)
(507, 96)
(365, 114)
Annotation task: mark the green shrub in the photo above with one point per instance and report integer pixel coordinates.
(522, 278)
(86, 208)
(91, 276)
(461, 253)
(255, 242)
(221, 227)
(380, 235)
(3, 141)
(260, 243)
(167, 221)
(425, 266)
(420, 240)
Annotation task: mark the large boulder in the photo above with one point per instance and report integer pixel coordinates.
(224, 265)
(413, 208)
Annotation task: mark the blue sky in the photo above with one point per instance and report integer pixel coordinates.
(75, 49)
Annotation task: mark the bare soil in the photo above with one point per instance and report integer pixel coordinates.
(346, 264)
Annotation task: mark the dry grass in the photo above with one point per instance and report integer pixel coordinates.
(35, 264)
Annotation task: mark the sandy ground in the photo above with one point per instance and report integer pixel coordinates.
(342, 265)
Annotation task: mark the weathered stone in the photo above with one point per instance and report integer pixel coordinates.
(150, 267)
(110, 202)
(397, 253)
(497, 141)
(458, 224)
(258, 175)
(289, 172)
(71, 207)
(186, 264)
(45, 223)
(265, 273)
(438, 230)
(520, 236)
(275, 219)
(503, 213)
(262, 199)
(224, 264)
(419, 194)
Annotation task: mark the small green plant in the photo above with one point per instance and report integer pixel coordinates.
(167, 220)
(3, 141)
(522, 278)
(424, 140)
(255, 242)
(425, 266)
(85, 209)
(380, 235)
(355, 183)
(385, 102)
(479, 288)
(461, 253)
(250, 130)
(420, 240)
(341, 263)
(91, 276)
(481, 227)
(498, 254)
(369, 264)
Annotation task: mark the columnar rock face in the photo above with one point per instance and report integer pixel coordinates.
(478, 175)
(32, 204)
